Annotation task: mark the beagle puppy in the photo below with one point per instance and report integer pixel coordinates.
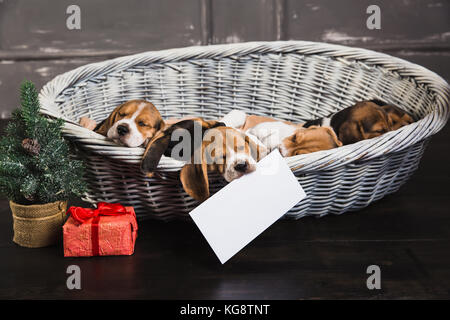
(165, 141)
(211, 147)
(364, 120)
(291, 139)
(137, 122)
(224, 150)
(134, 123)
(131, 124)
(397, 116)
(308, 140)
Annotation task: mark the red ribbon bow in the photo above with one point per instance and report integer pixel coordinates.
(83, 215)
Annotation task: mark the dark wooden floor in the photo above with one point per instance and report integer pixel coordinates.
(407, 234)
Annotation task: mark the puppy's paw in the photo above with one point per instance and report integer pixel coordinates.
(88, 123)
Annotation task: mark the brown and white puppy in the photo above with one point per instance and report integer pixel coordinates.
(211, 147)
(308, 140)
(291, 139)
(138, 122)
(364, 120)
(397, 116)
(163, 142)
(224, 150)
(132, 124)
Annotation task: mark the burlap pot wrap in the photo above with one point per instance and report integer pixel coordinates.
(38, 225)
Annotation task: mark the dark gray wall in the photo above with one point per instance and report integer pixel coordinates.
(35, 43)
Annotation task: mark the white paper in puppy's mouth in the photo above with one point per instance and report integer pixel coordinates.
(247, 206)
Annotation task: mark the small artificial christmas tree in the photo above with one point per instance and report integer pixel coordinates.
(35, 167)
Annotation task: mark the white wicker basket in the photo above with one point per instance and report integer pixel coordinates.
(292, 80)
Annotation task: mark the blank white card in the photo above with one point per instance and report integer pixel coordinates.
(247, 206)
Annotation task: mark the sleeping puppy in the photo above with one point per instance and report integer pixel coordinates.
(397, 116)
(224, 150)
(211, 147)
(308, 140)
(138, 123)
(164, 142)
(132, 124)
(364, 120)
(291, 139)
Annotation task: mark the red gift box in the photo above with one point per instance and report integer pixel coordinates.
(111, 229)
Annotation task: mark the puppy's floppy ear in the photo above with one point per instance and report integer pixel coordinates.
(160, 144)
(351, 132)
(313, 139)
(256, 151)
(103, 127)
(194, 178)
(333, 137)
(154, 151)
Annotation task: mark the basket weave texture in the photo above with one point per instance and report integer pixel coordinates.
(289, 80)
(38, 225)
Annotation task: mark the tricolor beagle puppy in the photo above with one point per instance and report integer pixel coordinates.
(224, 150)
(132, 124)
(138, 123)
(291, 139)
(364, 120)
(164, 142)
(220, 149)
(397, 117)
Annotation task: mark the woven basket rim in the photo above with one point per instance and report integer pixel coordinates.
(328, 159)
(38, 205)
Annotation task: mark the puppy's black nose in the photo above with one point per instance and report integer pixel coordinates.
(241, 166)
(122, 130)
